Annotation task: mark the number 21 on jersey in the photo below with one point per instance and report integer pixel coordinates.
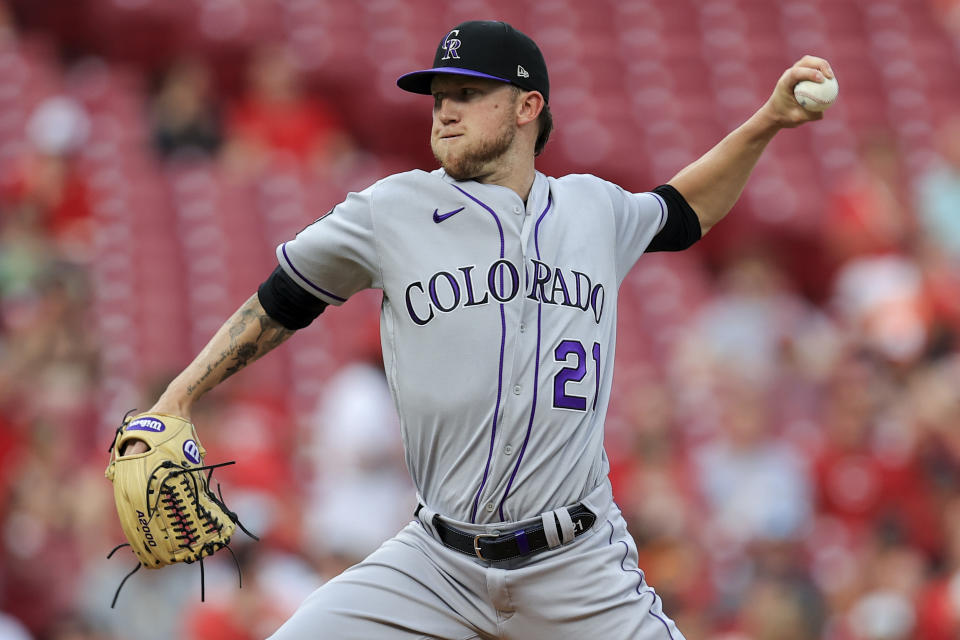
(574, 355)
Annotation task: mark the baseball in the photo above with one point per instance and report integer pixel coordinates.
(816, 96)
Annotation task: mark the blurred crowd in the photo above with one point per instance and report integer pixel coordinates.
(784, 434)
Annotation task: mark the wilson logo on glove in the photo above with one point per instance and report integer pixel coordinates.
(146, 424)
(192, 451)
(167, 511)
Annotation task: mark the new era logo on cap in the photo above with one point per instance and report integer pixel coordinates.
(485, 49)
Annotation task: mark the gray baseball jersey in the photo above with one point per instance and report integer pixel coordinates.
(498, 326)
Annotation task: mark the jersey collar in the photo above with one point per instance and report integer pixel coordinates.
(538, 192)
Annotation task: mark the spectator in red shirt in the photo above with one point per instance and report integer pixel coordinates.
(277, 118)
(47, 189)
(869, 211)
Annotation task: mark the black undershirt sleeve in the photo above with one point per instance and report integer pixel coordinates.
(682, 227)
(287, 302)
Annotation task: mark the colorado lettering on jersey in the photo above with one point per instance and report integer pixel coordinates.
(446, 291)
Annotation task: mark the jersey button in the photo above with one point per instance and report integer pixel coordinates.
(517, 390)
(523, 328)
(508, 449)
(489, 507)
(517, 209)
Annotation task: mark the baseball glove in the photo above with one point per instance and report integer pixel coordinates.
(167, 511)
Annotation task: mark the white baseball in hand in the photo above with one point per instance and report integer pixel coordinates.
(816, 96)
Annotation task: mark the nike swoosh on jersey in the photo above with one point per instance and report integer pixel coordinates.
(440, 217)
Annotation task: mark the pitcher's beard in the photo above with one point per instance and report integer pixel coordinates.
(475, 162)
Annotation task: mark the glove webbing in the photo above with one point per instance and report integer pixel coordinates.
(171, 503)
(182, 525)
(173, 508)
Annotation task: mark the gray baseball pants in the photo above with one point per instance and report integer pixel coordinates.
(414, 587)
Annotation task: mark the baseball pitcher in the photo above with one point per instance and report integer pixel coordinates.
(498, 328)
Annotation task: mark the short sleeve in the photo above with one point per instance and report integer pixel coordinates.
(336, 256)
(638, 217)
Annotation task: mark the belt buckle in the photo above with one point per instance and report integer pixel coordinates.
(476, 543)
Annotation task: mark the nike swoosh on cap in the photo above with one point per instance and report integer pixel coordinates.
(440, 217)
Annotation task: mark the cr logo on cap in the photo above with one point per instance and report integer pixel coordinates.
(450, 44)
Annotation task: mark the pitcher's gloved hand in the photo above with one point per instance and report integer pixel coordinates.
(161, 488)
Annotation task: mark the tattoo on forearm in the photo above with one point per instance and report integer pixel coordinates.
(243, 351)
(272, 333)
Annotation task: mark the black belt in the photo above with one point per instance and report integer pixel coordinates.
(498, 547)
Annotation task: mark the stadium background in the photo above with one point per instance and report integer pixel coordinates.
(785, 426)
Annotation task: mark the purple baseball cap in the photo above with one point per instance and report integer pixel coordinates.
(485, 49)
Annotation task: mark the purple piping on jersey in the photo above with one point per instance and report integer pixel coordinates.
(663, 213)
(503, 339)
(640, 573)
(305, 279)
(536, 367)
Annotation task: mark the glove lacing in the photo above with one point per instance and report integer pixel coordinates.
(168, 501)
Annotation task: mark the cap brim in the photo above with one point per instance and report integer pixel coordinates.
(419, 81)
